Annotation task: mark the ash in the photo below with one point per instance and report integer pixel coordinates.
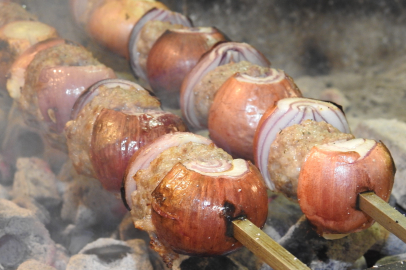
(352, 53)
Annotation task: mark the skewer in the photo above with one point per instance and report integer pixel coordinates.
(265, 247)
(383, 213)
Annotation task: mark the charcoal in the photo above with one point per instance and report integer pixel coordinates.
(39, 211)
(86, 204)
(304, 243)
(34, 265)
(35, 179)
(23, 237)
(4, 192)
(107, 253)
(391, 259)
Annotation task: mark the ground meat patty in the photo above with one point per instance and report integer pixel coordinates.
(79, 131)
(59, 55)
(206, 89)
(151, 31)
(10, 12)
(147, 180)
(290, 148)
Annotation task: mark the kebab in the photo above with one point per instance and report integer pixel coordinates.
(90, 107)
(194, 122)
(326, 159)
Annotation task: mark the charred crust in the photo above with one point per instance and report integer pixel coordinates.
(122, 193)
(230, 215)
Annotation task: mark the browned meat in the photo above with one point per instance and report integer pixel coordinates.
(206, 89)
(151, 31)
(78, 131)
(147, 180)
(10, 12)
(290, 148)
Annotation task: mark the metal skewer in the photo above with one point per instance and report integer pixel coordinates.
(383, 213)
(265, 247)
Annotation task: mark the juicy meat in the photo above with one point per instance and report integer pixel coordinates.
(289, 150)
(66, 54)
(79, 131)
(10, 12)
(206, 89)
(60, 55)
(147, 180)
(151, 31)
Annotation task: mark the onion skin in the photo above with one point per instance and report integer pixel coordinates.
(288, 112)
(173, 55)
(16, 74)
(94, 90)
(59, 87)
(154, 14)
(239, 105)
(117, 135)
(111, 23)
(113, 94)
(330, 181)
(82, 9)
(146, 154)
(221, 54)
(11, 11)
(193, 212)
(15, 38)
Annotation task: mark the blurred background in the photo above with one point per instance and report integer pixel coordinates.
(356, 47)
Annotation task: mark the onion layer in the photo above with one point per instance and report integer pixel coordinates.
(222, 53)
(117, 135)
(332, 177)
(143, 157)
(111, 23)
(154, 14)
(173, 55)
(59, 87)
(94, 90)
(192, 212)
(239, 105)
(288, 112)
(16, 75)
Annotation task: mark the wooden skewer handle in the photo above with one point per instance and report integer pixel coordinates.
(383, 213)
(265, 247)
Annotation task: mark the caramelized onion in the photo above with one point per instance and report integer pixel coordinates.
(192, 210)
(239, 105)
(143, 157)
(82, 9)
(16, 74)
(18, 36)
(332, 177)
(117, 135)
(173, 55)
(59, 87)
(111, 23)
(221, 54)
(154, 14)
(290, 111)
(113, 94)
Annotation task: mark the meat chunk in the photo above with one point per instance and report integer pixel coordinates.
(148, 179)
(39, 90)
(151, 31)
(79, 131)
(10, 12)
(289, 150)
(206, 89)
